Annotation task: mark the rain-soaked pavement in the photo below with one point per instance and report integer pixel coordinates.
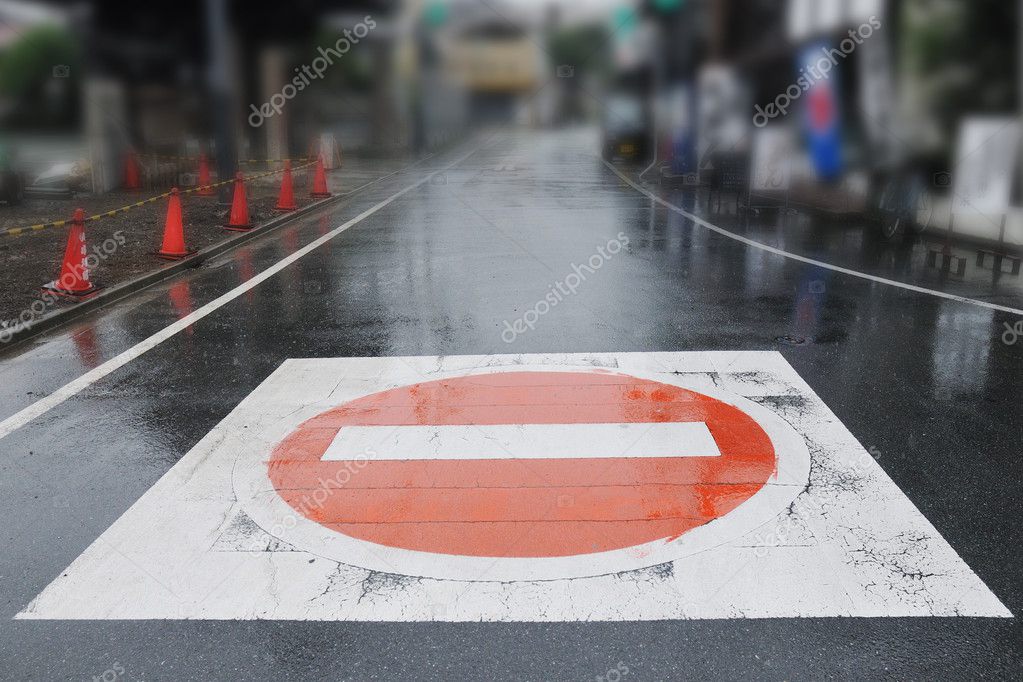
(929, 385)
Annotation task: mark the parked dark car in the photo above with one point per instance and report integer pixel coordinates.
(626, 127)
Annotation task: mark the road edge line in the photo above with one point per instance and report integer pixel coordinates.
(804, 259)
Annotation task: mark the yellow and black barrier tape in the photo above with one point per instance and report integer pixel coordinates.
(164, 157)
(301, 158)
(16, 231)
(167, 157)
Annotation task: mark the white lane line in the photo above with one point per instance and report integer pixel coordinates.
(403, 169)
(803, 259)
(44, 405)
(522, 441)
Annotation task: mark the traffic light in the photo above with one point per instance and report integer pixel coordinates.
(667, 6)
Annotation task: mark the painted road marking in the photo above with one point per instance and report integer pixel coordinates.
(522, 441)
(73, 388)
(465, 517)
(252, 523)
(804, 259)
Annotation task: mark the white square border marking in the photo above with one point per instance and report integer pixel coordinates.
(851, 544)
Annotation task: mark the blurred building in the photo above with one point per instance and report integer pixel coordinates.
(494, 53)
(143, 79)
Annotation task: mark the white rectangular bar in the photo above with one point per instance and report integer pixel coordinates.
(523, 441)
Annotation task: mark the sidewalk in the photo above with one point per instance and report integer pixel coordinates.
(126, 241)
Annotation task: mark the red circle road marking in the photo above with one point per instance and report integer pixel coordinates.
(524, 507)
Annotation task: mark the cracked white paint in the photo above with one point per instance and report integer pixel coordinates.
(848, 543)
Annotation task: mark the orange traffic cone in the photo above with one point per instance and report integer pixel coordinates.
(74, 271)
(286, 202)
(173, 247)
(204, 177)
(132, 175)
(320, 181)
(239, 221)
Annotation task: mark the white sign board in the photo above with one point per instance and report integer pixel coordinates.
(773, 150)
(985, 160)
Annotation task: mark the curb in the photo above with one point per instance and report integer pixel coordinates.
(121, 291)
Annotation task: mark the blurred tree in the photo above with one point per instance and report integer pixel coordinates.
(964, 55)
(39, 80)
(578, 52)
(435, 13)
(585, 48)
(352, 71)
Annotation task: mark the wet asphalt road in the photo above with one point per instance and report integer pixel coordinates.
(928, 384)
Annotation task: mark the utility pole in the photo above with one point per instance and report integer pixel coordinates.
(217, 44)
